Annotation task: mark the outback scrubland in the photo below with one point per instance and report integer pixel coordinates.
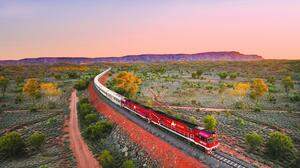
(256, 105)
(34, 103)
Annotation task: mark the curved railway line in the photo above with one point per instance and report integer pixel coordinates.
(215, 159)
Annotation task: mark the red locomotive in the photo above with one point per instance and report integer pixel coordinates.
(187, 130)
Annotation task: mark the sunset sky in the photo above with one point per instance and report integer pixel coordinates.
(90, 28)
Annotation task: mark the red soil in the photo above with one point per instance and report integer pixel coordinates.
(158, 149)
(84, 157)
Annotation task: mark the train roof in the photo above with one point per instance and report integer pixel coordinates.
(205, 133)
(191, 125)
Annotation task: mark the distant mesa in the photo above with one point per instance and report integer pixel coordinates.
(206, 56)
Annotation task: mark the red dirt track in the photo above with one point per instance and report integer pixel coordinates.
(84, 157)
(158, 149)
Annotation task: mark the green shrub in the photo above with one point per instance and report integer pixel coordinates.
(33, 109)
(272, 98)
(84, 100)
(51, 121)
(228, 113)
(233, 75)
(106, 159)
(36, 140)
(194, 75)
(178, 116)
(272, 88)
(128, 164)
(209, 87)
(295, 97)
(240, 122)
(51, 105)
(271, 80)
(81, 85)
(57, 76)
(98, 130)
(11, 144)
(257, 109)
(229, 85)
(254, 140)
(210, 122)
(223, 75)
(240, 105)
(90, 118)
(197, 74)
(193, 119)
(72, 75)
(18, 99)
(280, 145)
(85, 109)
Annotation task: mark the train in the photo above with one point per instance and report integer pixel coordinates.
(189, 131)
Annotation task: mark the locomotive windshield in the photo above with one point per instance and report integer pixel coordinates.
(211, 139)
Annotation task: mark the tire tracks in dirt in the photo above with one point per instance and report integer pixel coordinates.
(84, 157)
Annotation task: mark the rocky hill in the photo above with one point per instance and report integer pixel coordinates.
(207, 56)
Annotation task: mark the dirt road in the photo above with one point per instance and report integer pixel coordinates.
(83, 155)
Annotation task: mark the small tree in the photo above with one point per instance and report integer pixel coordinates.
(36, 139)
(3, 84)
(223, 75)
(288, 84)
(279, 145)
(254, 140)
(197, 74)
(241, 89)
(128, 164)
(11, 144)
(98, 130)
(32, 88)
(194, 75)
(106, 159)
(50, 89)
(258, 88)
(210, 122)
(126, 83)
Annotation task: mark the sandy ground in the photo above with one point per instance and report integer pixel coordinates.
(83, 155)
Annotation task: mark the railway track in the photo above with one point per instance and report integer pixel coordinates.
(215, 159)
(228, 160)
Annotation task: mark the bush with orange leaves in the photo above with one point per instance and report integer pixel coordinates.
(50, 89)
(126, 83)
(81, 68)
(32, 88)
(241, 89)
(258, 88)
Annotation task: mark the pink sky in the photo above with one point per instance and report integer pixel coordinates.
(122, 27)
